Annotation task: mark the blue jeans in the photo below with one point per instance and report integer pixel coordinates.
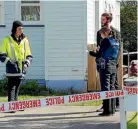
(107, 80)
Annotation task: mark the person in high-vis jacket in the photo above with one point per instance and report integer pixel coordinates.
(108, 57)
(16, 54)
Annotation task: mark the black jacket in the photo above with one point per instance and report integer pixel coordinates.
(114, 31)
(116, 35)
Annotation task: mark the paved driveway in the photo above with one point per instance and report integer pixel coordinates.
(59, 117)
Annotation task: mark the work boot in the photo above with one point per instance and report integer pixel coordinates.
(105, 114)
(21, 110)
(11, 112)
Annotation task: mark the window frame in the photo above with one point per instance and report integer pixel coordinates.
(1, 12)
(30, 4)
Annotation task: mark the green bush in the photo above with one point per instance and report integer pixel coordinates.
(32, 87)
(3, 86)
(28, 87)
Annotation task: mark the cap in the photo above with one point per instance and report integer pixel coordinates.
(15, 25)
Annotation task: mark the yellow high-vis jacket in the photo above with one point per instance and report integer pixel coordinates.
(15, 55)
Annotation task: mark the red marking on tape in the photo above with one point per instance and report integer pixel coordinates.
(2, 109)
(110, 94)
(84, 97)
(55, 101)
(19, 105)
(131, 90)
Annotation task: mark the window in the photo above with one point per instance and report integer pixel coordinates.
(31, 11)
(1, 12)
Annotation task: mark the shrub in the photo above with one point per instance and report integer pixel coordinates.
(3, 86)
(28, 87)
(32, 87)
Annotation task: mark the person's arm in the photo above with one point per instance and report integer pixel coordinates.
(28, 54)
(98, 39)
(3, 51)
(104, 46)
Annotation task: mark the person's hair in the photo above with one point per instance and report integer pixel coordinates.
(108, 16)
(105, 30)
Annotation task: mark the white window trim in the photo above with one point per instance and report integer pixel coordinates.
(18, 13)
(1, 12)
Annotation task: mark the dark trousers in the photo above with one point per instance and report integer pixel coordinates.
(107, 80)
(13, 88)
(116, 85)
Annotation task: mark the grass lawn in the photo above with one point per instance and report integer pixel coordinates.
(25, 97)
(90, 103)
(133, 124)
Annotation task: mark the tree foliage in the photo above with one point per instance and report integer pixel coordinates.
(129, 25)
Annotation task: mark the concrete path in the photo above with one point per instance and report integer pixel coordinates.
(59, 117)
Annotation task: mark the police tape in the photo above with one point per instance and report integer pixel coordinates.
(67, 99)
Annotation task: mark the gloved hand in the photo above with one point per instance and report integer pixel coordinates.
(27, 62)
(24, 68)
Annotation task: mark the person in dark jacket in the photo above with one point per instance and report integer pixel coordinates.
(106, 19)
(16, 54)
(108, 55)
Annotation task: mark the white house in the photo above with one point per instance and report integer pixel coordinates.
(59, 32)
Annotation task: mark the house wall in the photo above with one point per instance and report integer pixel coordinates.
(6, 30)
(65, 36)
(36, 38)
(91, 22)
